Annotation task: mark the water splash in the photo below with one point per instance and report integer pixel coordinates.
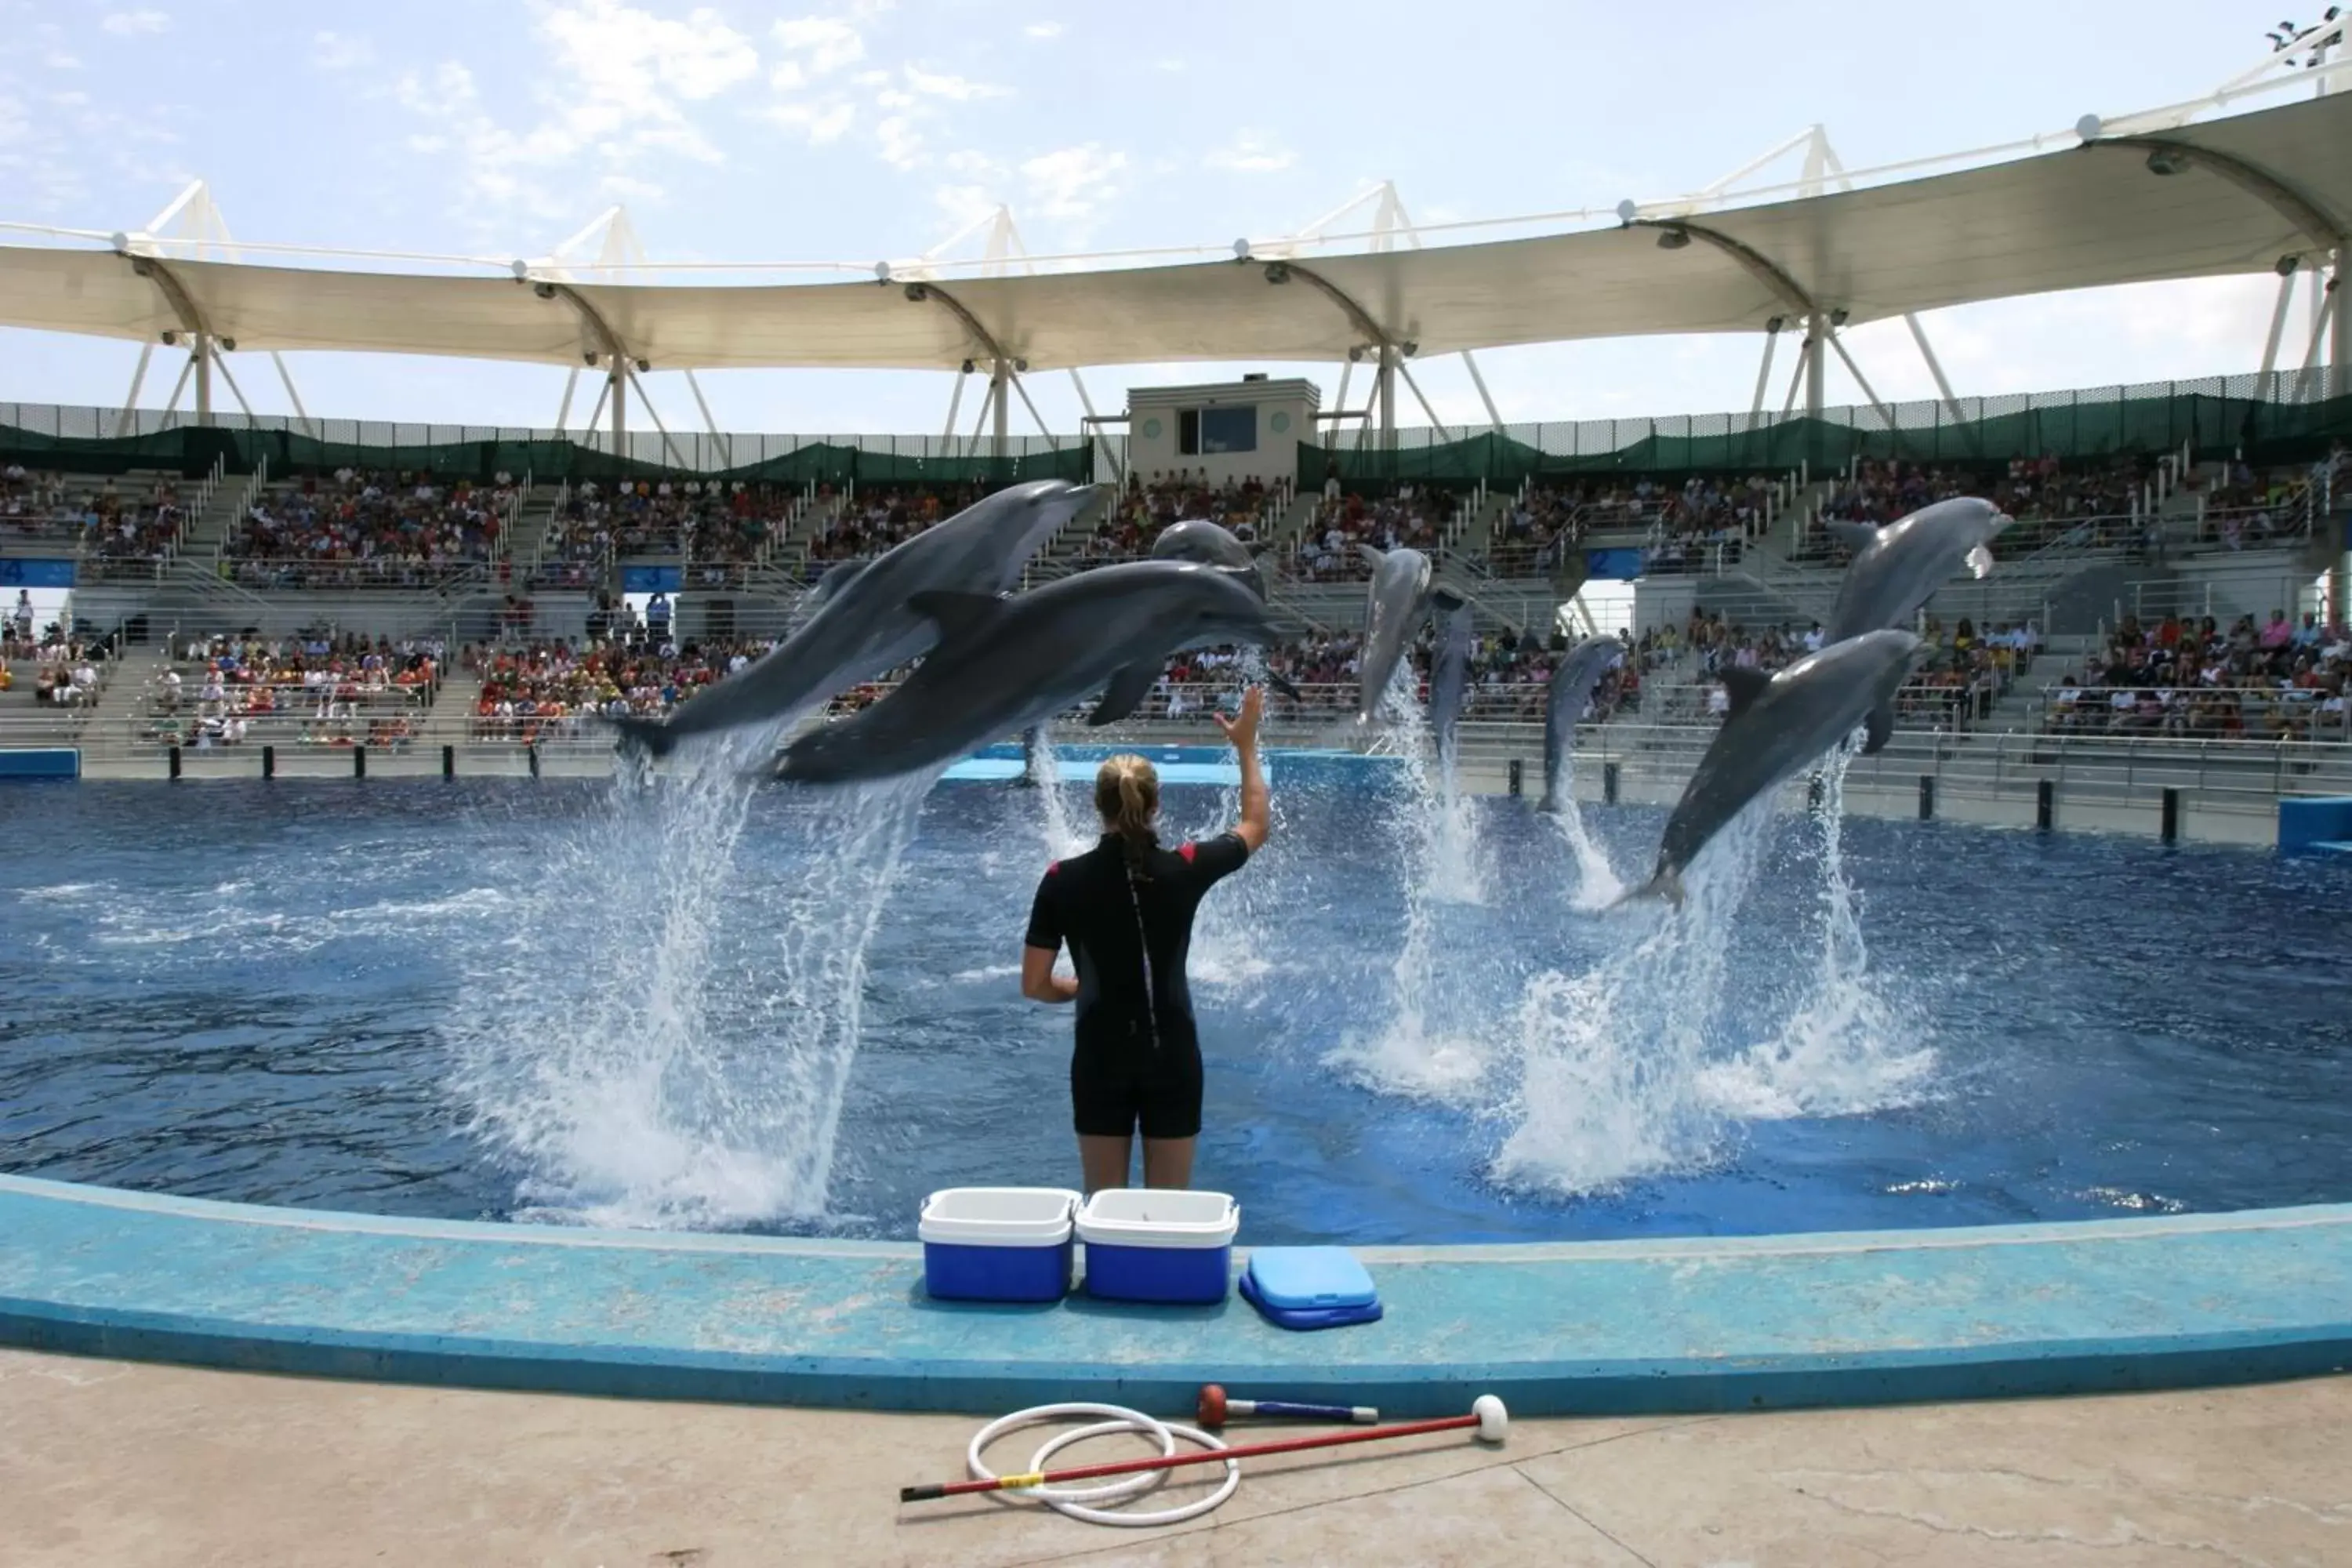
(1598, 885)
(1436, 842)
(1632, 1069)
(1061, 832)
(640, 1048)
(1840, 1051)
(1610, 1061)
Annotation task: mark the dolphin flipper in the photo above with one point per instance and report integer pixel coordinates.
(1281, 683)
(1127, 689)
(1877, 727)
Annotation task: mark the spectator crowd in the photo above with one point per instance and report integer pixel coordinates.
(2283, 679)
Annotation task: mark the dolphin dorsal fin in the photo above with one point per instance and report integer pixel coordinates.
(1857, 537)
(1744, 686)
(956, 613)
(1372, 557)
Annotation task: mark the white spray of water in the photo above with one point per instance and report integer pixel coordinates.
(1063, 837)
(1234, 932)
(642, 1048)
(1597, 883)
(1838, 1053)
(1626, 1071)
(1437, 844)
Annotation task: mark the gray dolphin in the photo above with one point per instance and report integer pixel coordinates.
(1449, 683)
(863, 626)
(1212, 545)
(1778, 726)
(1394, 605)
(1897, 569)
(1003, 664)
(1581, 669)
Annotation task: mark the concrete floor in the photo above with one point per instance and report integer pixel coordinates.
(125, 1464)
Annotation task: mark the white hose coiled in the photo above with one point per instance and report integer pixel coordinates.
(1079, 1502)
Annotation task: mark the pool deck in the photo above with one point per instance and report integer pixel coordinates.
(1639, 1328)
(156, 1466)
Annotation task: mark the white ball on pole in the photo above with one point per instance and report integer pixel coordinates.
(1494, 1421)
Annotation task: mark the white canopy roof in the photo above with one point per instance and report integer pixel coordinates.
(2255, 188)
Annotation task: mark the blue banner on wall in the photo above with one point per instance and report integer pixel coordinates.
(651, 579)
(1613, 565)
(22, 573)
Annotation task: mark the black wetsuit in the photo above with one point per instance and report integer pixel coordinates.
(1135, 1063)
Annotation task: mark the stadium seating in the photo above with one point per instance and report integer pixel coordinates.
(2283, 680)
(301, 690)
(365, 528)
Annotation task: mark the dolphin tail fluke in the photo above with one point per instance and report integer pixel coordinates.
(1666, 885)
(645, 737)
(1281, 683)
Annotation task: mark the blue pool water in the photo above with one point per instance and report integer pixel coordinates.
(766, 1010)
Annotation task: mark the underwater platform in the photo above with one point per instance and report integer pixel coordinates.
(1579, 1328)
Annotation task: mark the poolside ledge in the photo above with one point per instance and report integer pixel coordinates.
(1594, 1328)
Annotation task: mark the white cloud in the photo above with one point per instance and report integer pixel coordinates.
(129, 24)
(825, 43)
(898, 143)
(58, 60)
(336, 52)
(955, 89)
(1250, 154)
(1073, 183)
(961, 205)
(618, 92)
(628, 188)
(1043, 29)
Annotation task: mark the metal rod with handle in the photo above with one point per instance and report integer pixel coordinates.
(1488, 1417)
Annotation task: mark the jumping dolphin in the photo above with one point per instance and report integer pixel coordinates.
(1778, 726)
(1399, 597)
(1581, 669)
(863, 626)
(1003, 664)
(1449, 681)
(1897, 569)
(1212, 545)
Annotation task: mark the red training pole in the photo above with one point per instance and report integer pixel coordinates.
(1170, 1461)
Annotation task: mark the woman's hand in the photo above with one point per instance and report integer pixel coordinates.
(1242, 732)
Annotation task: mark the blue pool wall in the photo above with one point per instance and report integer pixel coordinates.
(1568, 1329)
(40, 763)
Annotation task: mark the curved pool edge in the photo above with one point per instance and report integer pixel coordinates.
(1646, 1327)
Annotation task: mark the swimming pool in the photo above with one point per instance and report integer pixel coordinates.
(773, 1011)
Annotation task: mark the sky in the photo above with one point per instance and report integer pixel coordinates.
(858, 130)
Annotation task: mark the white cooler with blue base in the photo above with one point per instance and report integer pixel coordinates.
(1159, 1245)
(997, 1243)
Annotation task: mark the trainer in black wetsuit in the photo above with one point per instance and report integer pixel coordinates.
(1125, 910)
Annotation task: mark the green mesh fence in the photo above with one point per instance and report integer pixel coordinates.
(191, 450)
(2285, 418)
